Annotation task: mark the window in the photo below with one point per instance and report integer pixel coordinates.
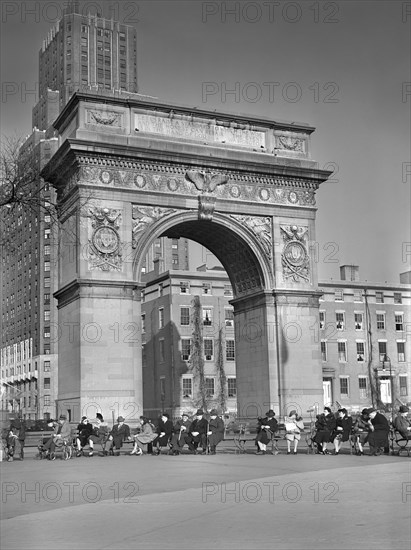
(47, 383)
(357, 295)
(228, 290)
(342, 352)
(379, 297)
(187, 387)
(46, 400)
(344, 386)
(47, 282)
(231, 387)
(184, 316)
(338, 295)
(160, 289)
(381, 321)
(230, 350)
(323, 350)
(47, 333)
(207, 316)
(161, 350)
(382, 349)
(84, 29)
(339, 318)
(161, 318)
(403, 385)
(397, 298)
(362, 386)
(322, 319)
(208, 349)
(163, 388)
(210, 386)
(46, 266)
(206, 288)
(229, 317)
(46, 366)
(47, 315)
(185, 349)
(46, 298)
(399, 321)
(358, 321)
(184, 287)
(360, 352)
(401, 352)
(47, 233)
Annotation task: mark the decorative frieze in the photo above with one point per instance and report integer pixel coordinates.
(294, 258)
(104, 118)
(104, 250)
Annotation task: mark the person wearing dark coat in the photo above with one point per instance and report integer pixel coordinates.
(361, 430)
(84, 431)
(198, 433)
(380, 428)
(325, 425)
(342, 430)
(215, 431)
(267, 427)
(403, 424)
(164, 431)
(118, 434)
(181, 430)
(17, 432)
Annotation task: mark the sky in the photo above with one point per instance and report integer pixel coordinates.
(342, 67)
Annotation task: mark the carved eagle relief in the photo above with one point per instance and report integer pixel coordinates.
(206, 181)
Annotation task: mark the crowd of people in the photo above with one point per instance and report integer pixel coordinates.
(202, 435)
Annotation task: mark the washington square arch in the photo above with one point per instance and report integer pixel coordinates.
(129, 171)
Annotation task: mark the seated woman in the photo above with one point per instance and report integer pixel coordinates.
(380, 428)
(85, 430)
(146, 437)
(267, 427)
(361, 430)
(293, 426)
(324, 425)
(164, 431)
(99, 434)
(342, 430)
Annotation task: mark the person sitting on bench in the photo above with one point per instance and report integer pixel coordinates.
(164, 431)
(119, 433)
(62, 433)
(146, 437)
(266, 429)
(85, 430)
(215, 432)
(181, 430)
(198, 433)
(403, 424)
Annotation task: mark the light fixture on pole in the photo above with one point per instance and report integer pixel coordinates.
(387, 362)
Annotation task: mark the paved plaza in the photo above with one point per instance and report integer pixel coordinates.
(224, 501)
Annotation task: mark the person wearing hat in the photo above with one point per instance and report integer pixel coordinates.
(17, 433)
(198, 433)
(146, 437)
(267, 427)
(84, 431)
(99, 434)
(403, 424)
(380, 428)
(293, 426)
(342, 429)
(325, 426)
(361, 430)
(164, 433)
(181, 431)
(215, 432)
(62, 432)
(119, 433)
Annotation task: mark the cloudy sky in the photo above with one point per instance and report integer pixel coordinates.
(343, 67)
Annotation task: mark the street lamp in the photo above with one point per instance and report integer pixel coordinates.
(387, 362)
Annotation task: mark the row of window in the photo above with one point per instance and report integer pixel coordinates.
(358, 296)
(186, 346)
(210, 386)
(363, 386)
(340, 323)
(206, 288)
(360, 350)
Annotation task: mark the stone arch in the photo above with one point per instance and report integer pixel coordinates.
(235, 246)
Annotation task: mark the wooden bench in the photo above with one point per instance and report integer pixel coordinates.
(403, 444)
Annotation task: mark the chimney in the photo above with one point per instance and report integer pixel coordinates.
(349, 273)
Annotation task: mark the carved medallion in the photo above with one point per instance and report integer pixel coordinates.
(264, 194)
(295, 258)
(104, 251)
(235, 191)
(173, 184)
(293, 197)
(140, 181)
(106, 177)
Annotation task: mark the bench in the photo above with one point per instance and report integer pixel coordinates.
(403, 444)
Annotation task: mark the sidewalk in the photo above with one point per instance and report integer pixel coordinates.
(227, 501)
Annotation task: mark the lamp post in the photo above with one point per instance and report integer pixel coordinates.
(387, 361)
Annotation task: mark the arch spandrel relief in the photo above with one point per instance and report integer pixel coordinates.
(104, 244)
(294, 257)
